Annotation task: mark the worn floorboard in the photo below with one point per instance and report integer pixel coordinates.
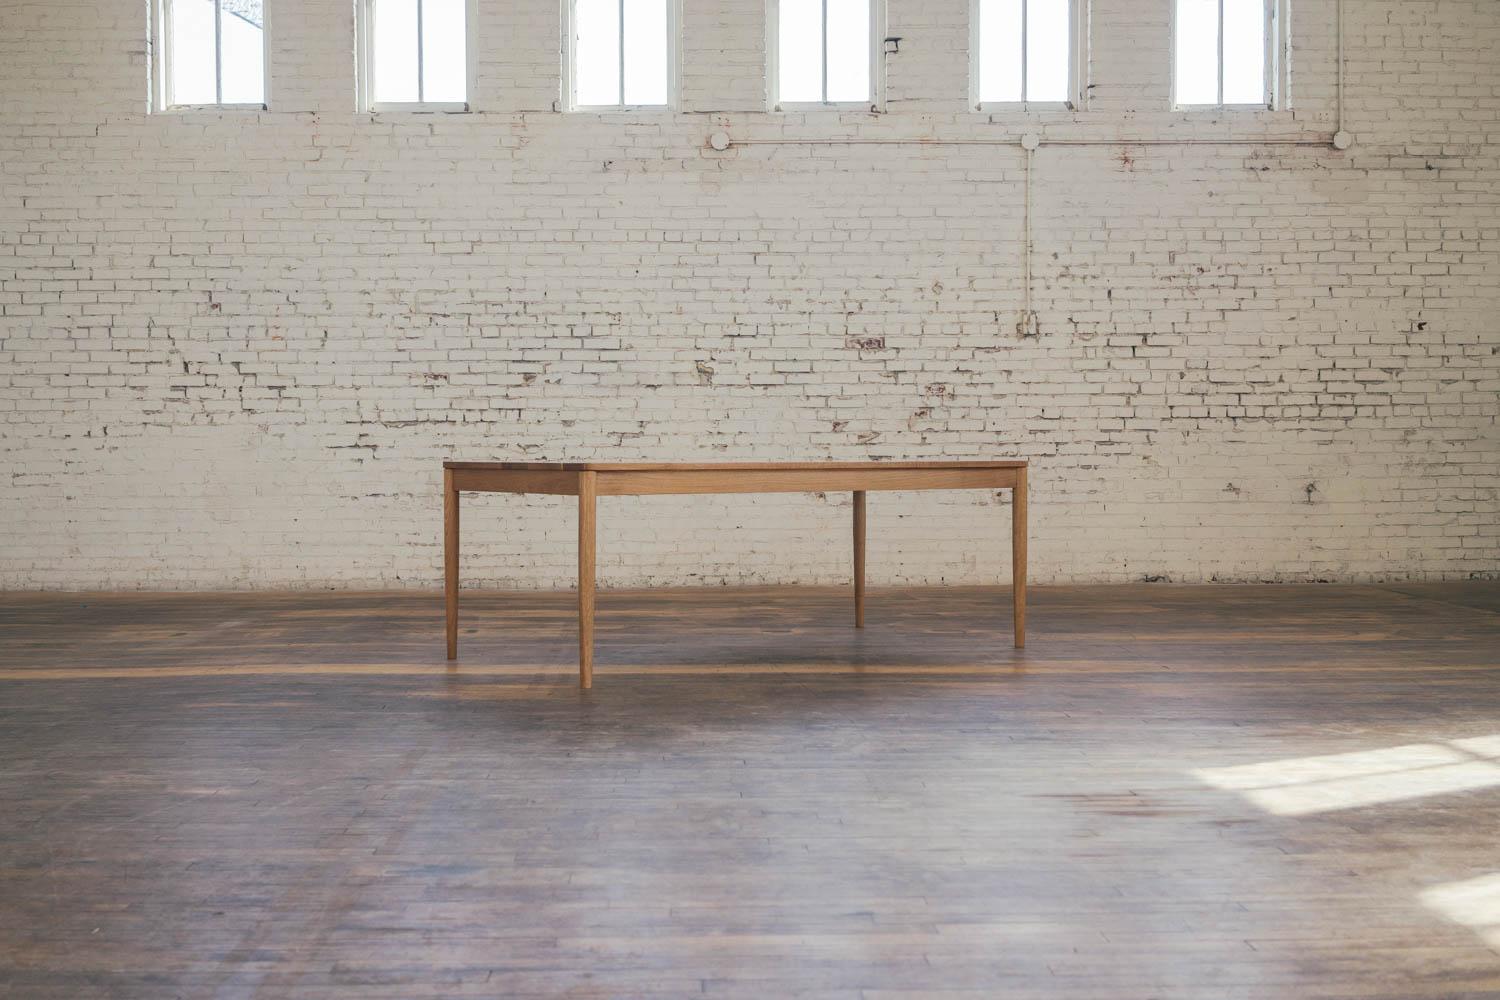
(1175, 792)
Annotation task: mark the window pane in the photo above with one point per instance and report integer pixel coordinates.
(445, 59)
(645, 51)
(1197, 51)
(799, 54)
(1244, 52)
(244, 51)
(1000, 50)
(1047, 49)
(849, 50)
(395, 54)
(596, 51)
(191, 61)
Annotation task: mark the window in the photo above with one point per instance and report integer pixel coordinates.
(212, 53)
(824, 52)
(1225, 53)
(1027, 52)
(621, 53)
(416, 54)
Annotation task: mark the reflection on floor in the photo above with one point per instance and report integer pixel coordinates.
(1303, 785)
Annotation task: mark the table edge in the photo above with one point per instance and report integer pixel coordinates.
(729, 466)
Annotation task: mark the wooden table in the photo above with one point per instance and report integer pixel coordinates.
(590, 480)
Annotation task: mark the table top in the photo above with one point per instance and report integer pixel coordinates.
(727, 466)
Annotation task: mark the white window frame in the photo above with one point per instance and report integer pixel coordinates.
(1078, 54)
(366, 17)
(1274, 63)
(876, 101)
(161, 61)
(570, 61)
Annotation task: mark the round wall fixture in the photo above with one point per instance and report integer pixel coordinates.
(1030, 141)
(719, 141)
(1342, 139)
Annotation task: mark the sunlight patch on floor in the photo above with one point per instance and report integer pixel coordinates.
(1302, 785)
(1474, 903)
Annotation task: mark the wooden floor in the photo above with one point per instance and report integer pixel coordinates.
(293, 795)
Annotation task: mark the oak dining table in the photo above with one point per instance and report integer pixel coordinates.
(590, 480)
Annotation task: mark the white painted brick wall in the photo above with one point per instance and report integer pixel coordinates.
(235, 348)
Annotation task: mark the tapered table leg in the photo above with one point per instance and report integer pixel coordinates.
(1018, 556)
(450, 560)
(859, 558)
(587, 506)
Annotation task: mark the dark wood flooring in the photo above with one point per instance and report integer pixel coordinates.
(294, 795)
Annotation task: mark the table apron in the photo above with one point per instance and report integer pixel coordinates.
(802, 481)
(516, 481)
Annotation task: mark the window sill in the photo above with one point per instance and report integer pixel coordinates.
(620, 109)
(413, 107)
(1213, 109)
(189, 109)
(1022, 107)
(795, 106)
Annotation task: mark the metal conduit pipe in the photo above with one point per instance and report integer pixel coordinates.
(1340, 138)
(1030, 142)
(718, 137)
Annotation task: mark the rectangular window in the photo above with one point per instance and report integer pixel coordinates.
(1027, 52)
(416, 54)
(1225, 53)
(621, 53)
(211, 53)
(825, 52)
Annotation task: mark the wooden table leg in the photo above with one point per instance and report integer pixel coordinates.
(450, 560)
(859, 558)
(587, 506)
(1018, 556)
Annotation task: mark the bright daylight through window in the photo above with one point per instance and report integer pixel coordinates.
(215, 53)
(1025, 51)
(621, 53)
(1223, 55)
(824, 51)
(418, 52)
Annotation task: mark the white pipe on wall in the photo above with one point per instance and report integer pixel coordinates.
(1124, 141)
(1027, 327)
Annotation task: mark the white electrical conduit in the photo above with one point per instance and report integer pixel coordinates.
(826, 141)
(1027, 327)
(1338, 97)
(1339, 139)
